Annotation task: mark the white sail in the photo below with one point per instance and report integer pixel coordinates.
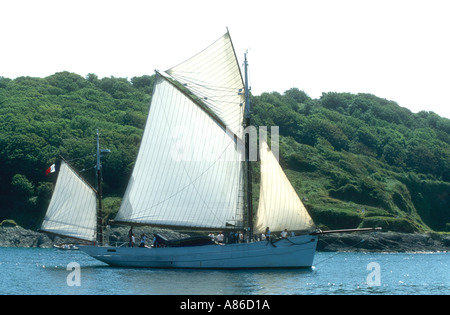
(279, 206)
(214, 76)
(189, 174)
(72, 209)
(188, 169)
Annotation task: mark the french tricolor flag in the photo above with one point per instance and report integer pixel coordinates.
(51, 169)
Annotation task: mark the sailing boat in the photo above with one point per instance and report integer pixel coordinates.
(193, 171)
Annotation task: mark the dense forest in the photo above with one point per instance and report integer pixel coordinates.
(355, 160)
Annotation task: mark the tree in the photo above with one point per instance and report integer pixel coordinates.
(422, 158)
(336, 101)
(67, 81)
(22, 186)
(297, 95)
(144, 83)
(394, 153)
(368, 136)
(317, 127)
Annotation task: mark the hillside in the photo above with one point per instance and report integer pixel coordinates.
(356, 160)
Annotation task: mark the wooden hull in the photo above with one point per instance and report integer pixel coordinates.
(294, 252)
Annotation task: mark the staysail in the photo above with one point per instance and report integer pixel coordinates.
(279, 206)
(72, 208)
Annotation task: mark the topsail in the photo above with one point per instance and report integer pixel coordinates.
(214, 76)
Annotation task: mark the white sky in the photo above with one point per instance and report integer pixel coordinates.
(395, 49)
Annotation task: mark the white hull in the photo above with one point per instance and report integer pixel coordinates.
(294, 252)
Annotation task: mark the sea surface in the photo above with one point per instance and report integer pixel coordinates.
(29, 271)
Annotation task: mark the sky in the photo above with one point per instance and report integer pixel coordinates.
(395, 49)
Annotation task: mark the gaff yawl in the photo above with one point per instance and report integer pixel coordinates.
(193, 172)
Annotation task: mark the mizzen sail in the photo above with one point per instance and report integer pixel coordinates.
(72, 209)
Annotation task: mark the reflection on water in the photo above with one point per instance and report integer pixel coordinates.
(227, 282)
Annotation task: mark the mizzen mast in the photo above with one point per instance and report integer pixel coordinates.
(100, 239)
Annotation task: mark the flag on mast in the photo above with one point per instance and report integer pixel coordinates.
(51, 169)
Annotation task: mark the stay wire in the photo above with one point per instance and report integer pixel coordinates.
(337, 253)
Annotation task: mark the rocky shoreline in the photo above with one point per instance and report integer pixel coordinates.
(19, 237)
(384, 242)
(347, 242)
(16, 236)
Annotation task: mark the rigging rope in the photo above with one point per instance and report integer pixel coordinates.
(337, 253)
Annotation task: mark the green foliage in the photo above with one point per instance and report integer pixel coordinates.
(44, 118)
(329, 217)
(111, 205)
(405, 225)
(8, 223)
(355, 160)
(21, 186)
(353, 152)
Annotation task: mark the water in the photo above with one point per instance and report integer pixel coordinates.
(44, 271)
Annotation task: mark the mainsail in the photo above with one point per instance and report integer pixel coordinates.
(72, 209)
(188, 172)
(279, 206)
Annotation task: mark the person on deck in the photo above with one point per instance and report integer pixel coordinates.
(143, 239)
(133, 240)
(267, 233)
(220, 238)
(130, 237)
(241, 237)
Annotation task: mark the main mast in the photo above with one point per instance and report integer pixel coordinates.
(247, 152)
(100, 239)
